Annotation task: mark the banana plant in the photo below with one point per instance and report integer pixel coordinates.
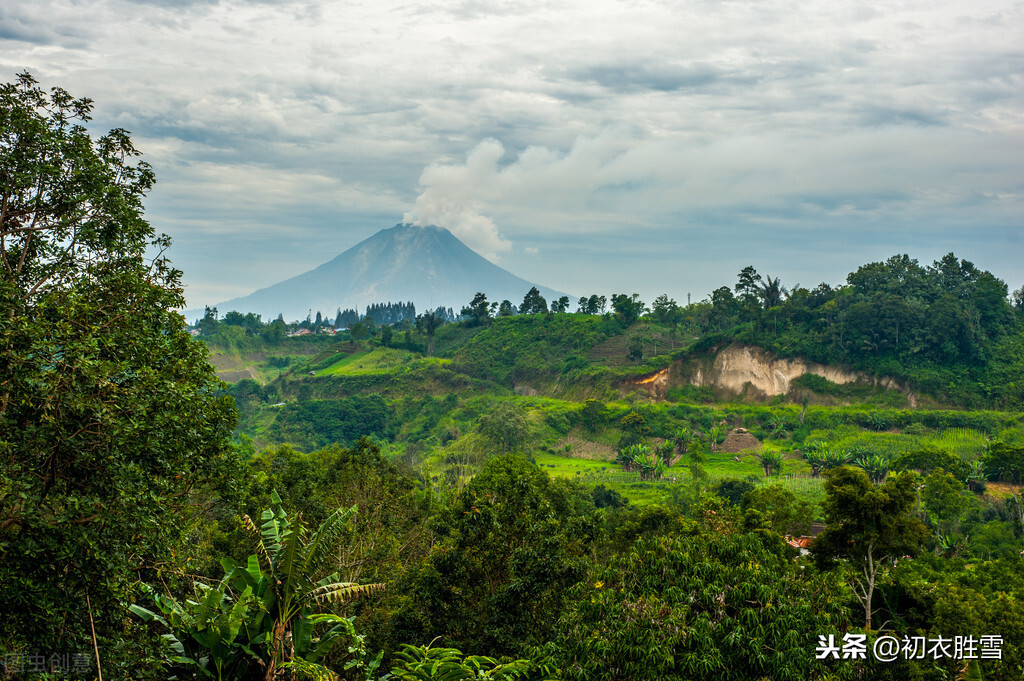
(249, 615)
(287, 574)
(875, 465)
(206, 630)
(644, 459)
(813, 457)
(713, 434)
(666, 452)
(833, 459)
(771, 462)
(682, 439)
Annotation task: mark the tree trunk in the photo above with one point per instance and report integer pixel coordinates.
(870, 572)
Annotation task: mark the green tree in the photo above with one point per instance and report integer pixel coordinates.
(1005, 461)
(634, 428)
(780, 508)
(208, 325)
(274, 331)
(868, 525)
(560, 305)
(428, 323)
(665, 310)
(593, 414)
(945, 498)
(594, 304)
(358, 331)
(628, 309)
(703, 603)
(505, 426)
(111, 419)
(507, 550)
(478, 312)
(534, 303)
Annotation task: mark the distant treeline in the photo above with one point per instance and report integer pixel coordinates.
(948, 327)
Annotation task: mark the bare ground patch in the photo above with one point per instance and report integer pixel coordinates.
(739, 440)
(1002, 489)
(235, 376)
(585, 449)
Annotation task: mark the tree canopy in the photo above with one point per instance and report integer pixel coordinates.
(110, 417)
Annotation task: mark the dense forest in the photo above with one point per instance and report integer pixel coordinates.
(515, 491)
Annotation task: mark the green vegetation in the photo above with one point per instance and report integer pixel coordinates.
(114, 430)
(513, 494)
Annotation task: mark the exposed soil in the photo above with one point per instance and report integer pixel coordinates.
(655, 385)
(585, 449)
(738, 441)
(236, 376)
(1002, 489)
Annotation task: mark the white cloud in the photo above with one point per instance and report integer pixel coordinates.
(453, 196)
(536, 123)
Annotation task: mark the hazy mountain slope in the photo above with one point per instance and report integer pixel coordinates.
(426, 265)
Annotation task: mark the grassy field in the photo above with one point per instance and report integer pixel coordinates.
(368, 361)
(719, 467)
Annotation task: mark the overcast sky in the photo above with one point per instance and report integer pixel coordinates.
(592, 146)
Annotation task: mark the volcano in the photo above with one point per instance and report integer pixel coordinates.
(427, 266)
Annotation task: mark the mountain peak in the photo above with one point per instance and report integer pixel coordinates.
(427, 265)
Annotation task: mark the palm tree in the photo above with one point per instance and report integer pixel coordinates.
(771, 292)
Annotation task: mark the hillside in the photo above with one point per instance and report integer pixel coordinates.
(656, 426)
(715, 368)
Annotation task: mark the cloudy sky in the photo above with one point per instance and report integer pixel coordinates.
(593, 146)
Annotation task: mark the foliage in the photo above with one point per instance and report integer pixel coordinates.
(709, 604)
(945, 498)
(269, 620)
(780, 508)
(733, 490)
(875, 465)
(375, 542)
(426, 663)
(592, 414)
(929, 459)
(429, 323)
(1006, 461)
(868, 525)
(529, 347)
(945, 330)
(479, 311)
(627, 309)
(111, 420)
(505, 425)
(508, 548)
(951, 597)
(771, 462)
(534, 303)
(644, 459)
(317, 423)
